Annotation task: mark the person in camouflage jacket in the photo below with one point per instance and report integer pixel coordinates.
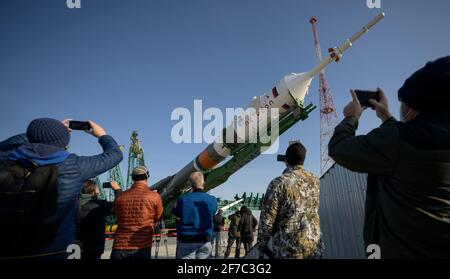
(289, 212)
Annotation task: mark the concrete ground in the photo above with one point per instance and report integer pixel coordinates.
(167, 248)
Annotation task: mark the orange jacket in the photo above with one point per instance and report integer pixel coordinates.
(137, 210)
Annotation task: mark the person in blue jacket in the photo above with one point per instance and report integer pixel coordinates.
(195, 220)
(46, 142)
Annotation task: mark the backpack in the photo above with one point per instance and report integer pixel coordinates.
(234, 225)
(28, 200)
(236, 219)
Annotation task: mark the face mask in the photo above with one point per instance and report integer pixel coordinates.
(404, 118)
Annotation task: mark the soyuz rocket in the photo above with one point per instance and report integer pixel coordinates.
(288, 93)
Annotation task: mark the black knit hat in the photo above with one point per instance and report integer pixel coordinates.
(428, 89)
(48, 131)
(295, 154)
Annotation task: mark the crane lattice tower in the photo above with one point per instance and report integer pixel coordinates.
(328, 116)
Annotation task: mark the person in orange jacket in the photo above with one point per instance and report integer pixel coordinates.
(137, 211)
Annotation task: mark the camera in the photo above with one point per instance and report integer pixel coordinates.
(281, 158)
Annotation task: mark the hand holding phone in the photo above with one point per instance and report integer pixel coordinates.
(96, 130)
(79, 125)
(111, 185)
(364, 96)
(88, 126)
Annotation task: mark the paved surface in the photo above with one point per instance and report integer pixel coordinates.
(167, 248)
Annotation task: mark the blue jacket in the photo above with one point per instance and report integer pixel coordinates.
(73, 170)
(196, 214)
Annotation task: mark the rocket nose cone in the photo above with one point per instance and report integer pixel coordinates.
(298, 85)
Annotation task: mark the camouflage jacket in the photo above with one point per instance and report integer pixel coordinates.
(290, 215)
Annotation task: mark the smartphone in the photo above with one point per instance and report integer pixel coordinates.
(107, 185)
(281, 158)
(79, 125)
(364, 96)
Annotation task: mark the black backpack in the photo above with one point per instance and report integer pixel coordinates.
(28, 200)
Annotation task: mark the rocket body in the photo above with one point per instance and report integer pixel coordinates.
(287, 94)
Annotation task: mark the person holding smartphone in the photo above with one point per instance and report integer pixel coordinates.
(42, 152)
(92, 214)
(408, 190)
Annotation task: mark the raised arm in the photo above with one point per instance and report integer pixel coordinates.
(376, 152)
(91, 166)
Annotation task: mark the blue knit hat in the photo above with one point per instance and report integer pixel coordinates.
(48, 131)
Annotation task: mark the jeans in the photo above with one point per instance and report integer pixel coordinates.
(231, 241)
(216, 238)
(247, 246)
(141, 254)
(193, 250)
(247, 241)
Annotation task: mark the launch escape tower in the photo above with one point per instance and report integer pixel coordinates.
(328, 116)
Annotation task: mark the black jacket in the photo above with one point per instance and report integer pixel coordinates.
(92, 215)
(408, 192)
(233, 230)
(247, 226)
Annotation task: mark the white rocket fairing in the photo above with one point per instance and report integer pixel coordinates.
(287, 94)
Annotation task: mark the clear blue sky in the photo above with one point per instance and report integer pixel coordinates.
(128, 64)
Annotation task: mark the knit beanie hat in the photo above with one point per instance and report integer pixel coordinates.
(428, 89)
(48, 131)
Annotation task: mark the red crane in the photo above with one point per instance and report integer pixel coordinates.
(328, 116)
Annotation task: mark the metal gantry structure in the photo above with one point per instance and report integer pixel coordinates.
(328, 116)
(102, 194)
(252, 202)
(114, 174)
(135, 156)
